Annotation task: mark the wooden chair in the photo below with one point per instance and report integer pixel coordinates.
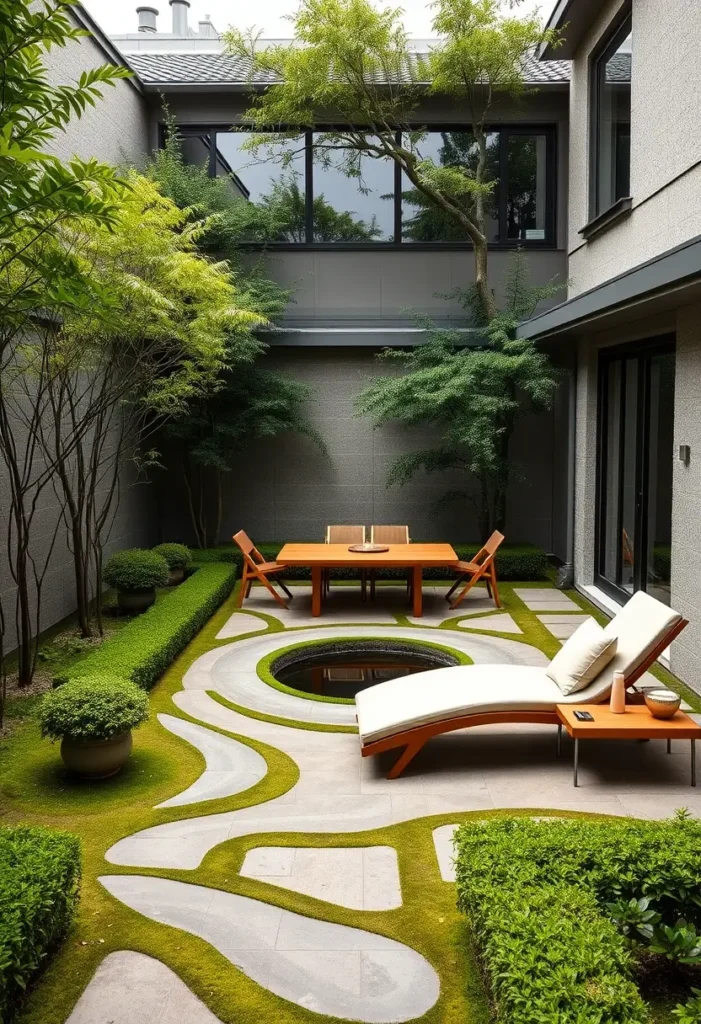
(389, 535)
(481, 567)
(256, 568)
(344, 535)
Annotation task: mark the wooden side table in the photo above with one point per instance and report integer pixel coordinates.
(635, 724)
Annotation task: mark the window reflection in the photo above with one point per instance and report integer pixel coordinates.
(353, 209)
(424, 222)
(526, 192)
(613, 78)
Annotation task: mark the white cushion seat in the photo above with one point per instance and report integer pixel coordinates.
(444, 694)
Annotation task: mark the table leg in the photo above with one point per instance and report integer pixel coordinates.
(559, 738)
(316, 590)
(693, 762)
(576, 760)
(418, 596)
(669, 746)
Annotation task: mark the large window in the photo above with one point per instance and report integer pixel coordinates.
(610, 125)
(311, 200)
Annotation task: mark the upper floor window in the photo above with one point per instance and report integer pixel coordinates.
(610, 83)
(309, 198)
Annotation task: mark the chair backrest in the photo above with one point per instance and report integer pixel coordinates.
(489, 550)
(644, 627)
(389, 535)
(345, 534)
(248, 549)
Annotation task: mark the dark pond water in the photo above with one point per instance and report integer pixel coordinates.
(344, 674)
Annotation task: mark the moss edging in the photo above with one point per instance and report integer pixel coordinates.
(265, 673)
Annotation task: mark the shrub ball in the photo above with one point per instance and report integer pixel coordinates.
(136, 569)
(95, 707)
(176, 555)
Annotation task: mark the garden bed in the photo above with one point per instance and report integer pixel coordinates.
(559, 940)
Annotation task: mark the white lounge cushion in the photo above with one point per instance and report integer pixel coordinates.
(582, 657)
(639, 627)
(445, 693)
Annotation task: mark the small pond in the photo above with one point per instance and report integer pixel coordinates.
(342, 669)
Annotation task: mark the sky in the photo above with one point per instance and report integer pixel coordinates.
(119, 16)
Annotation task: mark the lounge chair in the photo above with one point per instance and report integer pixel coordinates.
(408, 711)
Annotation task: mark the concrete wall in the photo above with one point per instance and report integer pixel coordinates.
(286, 489)
(665, 143)
(114, 130)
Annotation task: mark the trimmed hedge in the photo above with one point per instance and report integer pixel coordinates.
(514, 562)
(145, 648)
(536, 894)
(39, 887)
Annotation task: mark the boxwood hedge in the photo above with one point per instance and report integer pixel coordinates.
(144, 649)
(514, 561)
(536, 894)
(39, 884)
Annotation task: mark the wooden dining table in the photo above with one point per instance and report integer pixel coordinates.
(397, 556)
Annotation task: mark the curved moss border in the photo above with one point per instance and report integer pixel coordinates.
(265, 674)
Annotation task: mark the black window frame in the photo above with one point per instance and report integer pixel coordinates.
(643, 351)
(548, 129)
(619, 29)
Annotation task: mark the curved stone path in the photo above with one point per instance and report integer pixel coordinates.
(329, 968)
(231, 767)
(231, 670)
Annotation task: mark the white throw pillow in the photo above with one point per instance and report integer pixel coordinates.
(582, 657)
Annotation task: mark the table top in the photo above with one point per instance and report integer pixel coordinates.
(635, 723)
(339, 555)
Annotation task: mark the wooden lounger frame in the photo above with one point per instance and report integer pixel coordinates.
(414, 739)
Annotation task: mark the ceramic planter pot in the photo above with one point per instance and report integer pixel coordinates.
(176, 575)
(136, 600)
(96, 759)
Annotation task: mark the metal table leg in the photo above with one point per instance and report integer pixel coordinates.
(669, 746)
(576, 759)
(693, 762)
(559, 738)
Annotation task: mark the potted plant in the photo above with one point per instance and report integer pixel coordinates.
(93, 717)
(135, 574)
(178, 558)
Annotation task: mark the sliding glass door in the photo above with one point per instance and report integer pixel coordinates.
(634, 506)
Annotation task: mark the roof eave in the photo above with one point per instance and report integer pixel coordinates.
(571, 19)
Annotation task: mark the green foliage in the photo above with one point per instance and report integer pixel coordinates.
(337, 69)
(634, 917)
(144, 649)
(690, 1012)
(176, 555)
(539, 896)
(135, 569)
(472, 396)
(94, 707)
(679, 942)
(514, 562)
(39, 886)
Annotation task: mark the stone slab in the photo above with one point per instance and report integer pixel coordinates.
(445, 853)
(343, 604)
(499, 623)
(543, 599)
(562, 626)
(130, 988)
(239, 624)
(436, 609)
(231, 767)
(332, 969)
(362, 878)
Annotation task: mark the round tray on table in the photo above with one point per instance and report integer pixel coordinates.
(368, 549)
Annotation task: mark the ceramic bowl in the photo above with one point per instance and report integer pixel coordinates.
(662, 703)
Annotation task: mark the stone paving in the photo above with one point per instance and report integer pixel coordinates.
(329, 968)
(499, 623)
(362, 878)
(562, 626)
(353, 973)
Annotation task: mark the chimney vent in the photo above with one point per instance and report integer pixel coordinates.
(207, 29)
(180, 17)
(147, 18)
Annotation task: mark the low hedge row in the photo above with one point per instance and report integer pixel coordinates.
(145, 648)
(39, 885)
(536, 894)
(514, 562)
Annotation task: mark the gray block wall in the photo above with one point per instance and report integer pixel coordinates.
(286, 489)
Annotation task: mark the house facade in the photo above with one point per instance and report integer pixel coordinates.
(633, 311)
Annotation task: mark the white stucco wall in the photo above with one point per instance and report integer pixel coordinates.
(116, 128)
(665, 142)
